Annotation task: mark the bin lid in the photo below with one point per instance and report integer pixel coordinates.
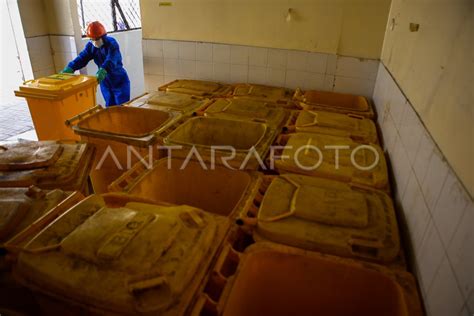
(29, 155)
(339, 100)
(19, 207)
(330, 216)
(55, 86)
(263, 93)
(172, 101)
(68, 171)
(357, 163)
(337, 124)
(248, 109)
(130, 258)
(196, 87)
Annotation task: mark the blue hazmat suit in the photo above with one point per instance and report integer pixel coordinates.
(115, 87)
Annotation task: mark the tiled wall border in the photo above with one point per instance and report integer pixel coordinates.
(166, 60)
(49, 54)
(41, 57)
(438, 211)
(64, 50)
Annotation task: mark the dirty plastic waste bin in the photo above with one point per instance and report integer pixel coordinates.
(258, 111)
(122, 136)
(332, 157)
(220, 190)
(54, 99)
(269, 279)
(125, 267)
(168, 101)
(334, 102)
(198, 88)
(276, 95)
(236, 143)
(61, 165)
(356, 127)
(20, 207)
(327, 216)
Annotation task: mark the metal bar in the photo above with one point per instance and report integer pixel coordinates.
(114, 14)
(82, 16)
(124, 19)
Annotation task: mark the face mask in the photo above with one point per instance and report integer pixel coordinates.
(98, 43)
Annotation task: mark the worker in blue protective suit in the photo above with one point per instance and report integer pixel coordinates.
(113, 78)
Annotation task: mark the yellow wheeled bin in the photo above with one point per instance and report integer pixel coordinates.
(277, 280)
(258, 111)
(54, 99)
(197, 88)
(356, 127)
(169, 101)
(334, 102)
(122, 136)
(61, 165)
(332, 157)
(117, 255)
(323, 215)
(235, 143)
(220, 190)
(276, 95)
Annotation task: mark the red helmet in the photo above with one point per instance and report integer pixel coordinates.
(95, 30)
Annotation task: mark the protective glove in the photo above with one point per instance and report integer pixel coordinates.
(67, 70)
(101, 73)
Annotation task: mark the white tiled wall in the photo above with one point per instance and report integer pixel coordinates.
(41, 58)
(168, 60)
(63, 49)
(49, 54)
(438, 211)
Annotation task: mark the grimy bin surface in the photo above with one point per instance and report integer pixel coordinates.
(205, 133)
(169, 101)
(279, 281)
(20, 207)
(54, 99)
(335, 102)
(121, 135)
(356, 127)
(220, 190)
(125, 267)
(315, 155)
(47, 164)
(198, 88)
(276, 95)
(327, 216)
(258, 111)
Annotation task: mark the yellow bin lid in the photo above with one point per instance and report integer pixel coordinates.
(55, 87)
(145, 258)
(248, 109)
(170, 101)
(47, 164)
(329, 216)
(19, 207)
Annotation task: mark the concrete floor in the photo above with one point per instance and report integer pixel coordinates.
(15, 120)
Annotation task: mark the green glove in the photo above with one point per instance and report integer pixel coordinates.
(101, 73)
(67, 70)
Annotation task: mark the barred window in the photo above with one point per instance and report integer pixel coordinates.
(115, 15)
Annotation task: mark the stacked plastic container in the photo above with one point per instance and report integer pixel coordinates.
(243, 229)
